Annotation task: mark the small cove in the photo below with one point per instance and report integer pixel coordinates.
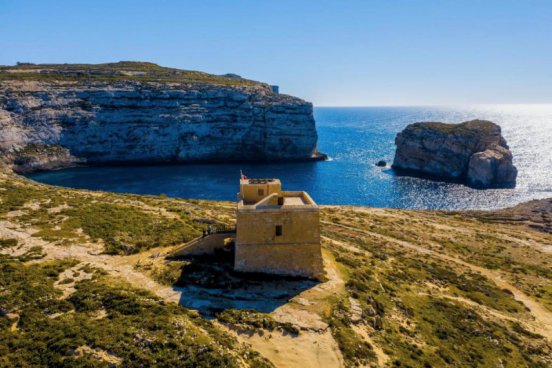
(355, 139)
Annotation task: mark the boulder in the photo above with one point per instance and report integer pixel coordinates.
(378, 323)
(473, 152)
(494, 165)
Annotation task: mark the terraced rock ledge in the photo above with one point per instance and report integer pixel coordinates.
(135, 112)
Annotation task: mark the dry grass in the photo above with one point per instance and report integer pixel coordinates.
(407, 288)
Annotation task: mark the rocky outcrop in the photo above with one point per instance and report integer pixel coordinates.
(473, 152)
(36, 157)
(492, 168)
(106, 115)
(536, 214)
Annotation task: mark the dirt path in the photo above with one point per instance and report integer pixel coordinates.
(307, 350)
(314, 347)
(380, 354)
(543, 318)
(359, 329)
(342, 245)
(87, 253)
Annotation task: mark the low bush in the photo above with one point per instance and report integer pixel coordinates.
(140, 329)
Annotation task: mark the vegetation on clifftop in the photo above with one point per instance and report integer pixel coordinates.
(115, 72)
(469, 128)
(418, 279)
(124, 227)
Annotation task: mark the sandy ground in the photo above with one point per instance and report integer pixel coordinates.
(314, 346)
(111, 359)
(380, 355)
(68, 279)
(307, 350)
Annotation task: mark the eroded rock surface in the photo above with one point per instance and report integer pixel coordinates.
(473, 152)
(129, 119)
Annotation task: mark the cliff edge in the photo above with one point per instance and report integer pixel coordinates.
(57, 115)
(473, 152)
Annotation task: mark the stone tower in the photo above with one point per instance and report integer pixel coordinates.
(277, 231)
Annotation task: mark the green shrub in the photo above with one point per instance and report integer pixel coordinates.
(355, 350)
(139, 328)
(8, 243)
(126, 229)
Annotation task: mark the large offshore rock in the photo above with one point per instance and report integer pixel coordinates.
(122, 117)
(492, 167)
(473, 152)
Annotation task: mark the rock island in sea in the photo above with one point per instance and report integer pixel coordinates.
(473, 152)
(57, 115)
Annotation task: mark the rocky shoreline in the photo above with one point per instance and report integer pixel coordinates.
(46, 161)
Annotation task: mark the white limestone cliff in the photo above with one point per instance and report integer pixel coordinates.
(136, 121)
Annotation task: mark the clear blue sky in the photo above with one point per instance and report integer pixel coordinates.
(345, 52)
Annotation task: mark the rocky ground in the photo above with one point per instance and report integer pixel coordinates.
(403, 288)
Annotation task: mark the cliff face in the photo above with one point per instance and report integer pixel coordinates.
(474, 152)
(133, 119)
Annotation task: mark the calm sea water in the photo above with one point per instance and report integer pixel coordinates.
(354, 138)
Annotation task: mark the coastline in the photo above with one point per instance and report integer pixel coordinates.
(318, 156)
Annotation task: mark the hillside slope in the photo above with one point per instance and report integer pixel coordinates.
(83, 273)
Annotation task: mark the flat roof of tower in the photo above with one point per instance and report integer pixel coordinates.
(291, 200)
(261, 180)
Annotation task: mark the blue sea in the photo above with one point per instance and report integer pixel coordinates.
(354, 138)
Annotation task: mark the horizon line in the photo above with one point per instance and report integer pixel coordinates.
(441, 105)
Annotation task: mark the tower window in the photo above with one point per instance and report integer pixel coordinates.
(278, 230)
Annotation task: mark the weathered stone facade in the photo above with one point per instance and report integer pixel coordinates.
(279, 234)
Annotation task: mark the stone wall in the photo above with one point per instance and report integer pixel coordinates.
(303, 260)
(296, 252)
(204, 245)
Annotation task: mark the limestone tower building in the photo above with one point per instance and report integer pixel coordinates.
(277, 231)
